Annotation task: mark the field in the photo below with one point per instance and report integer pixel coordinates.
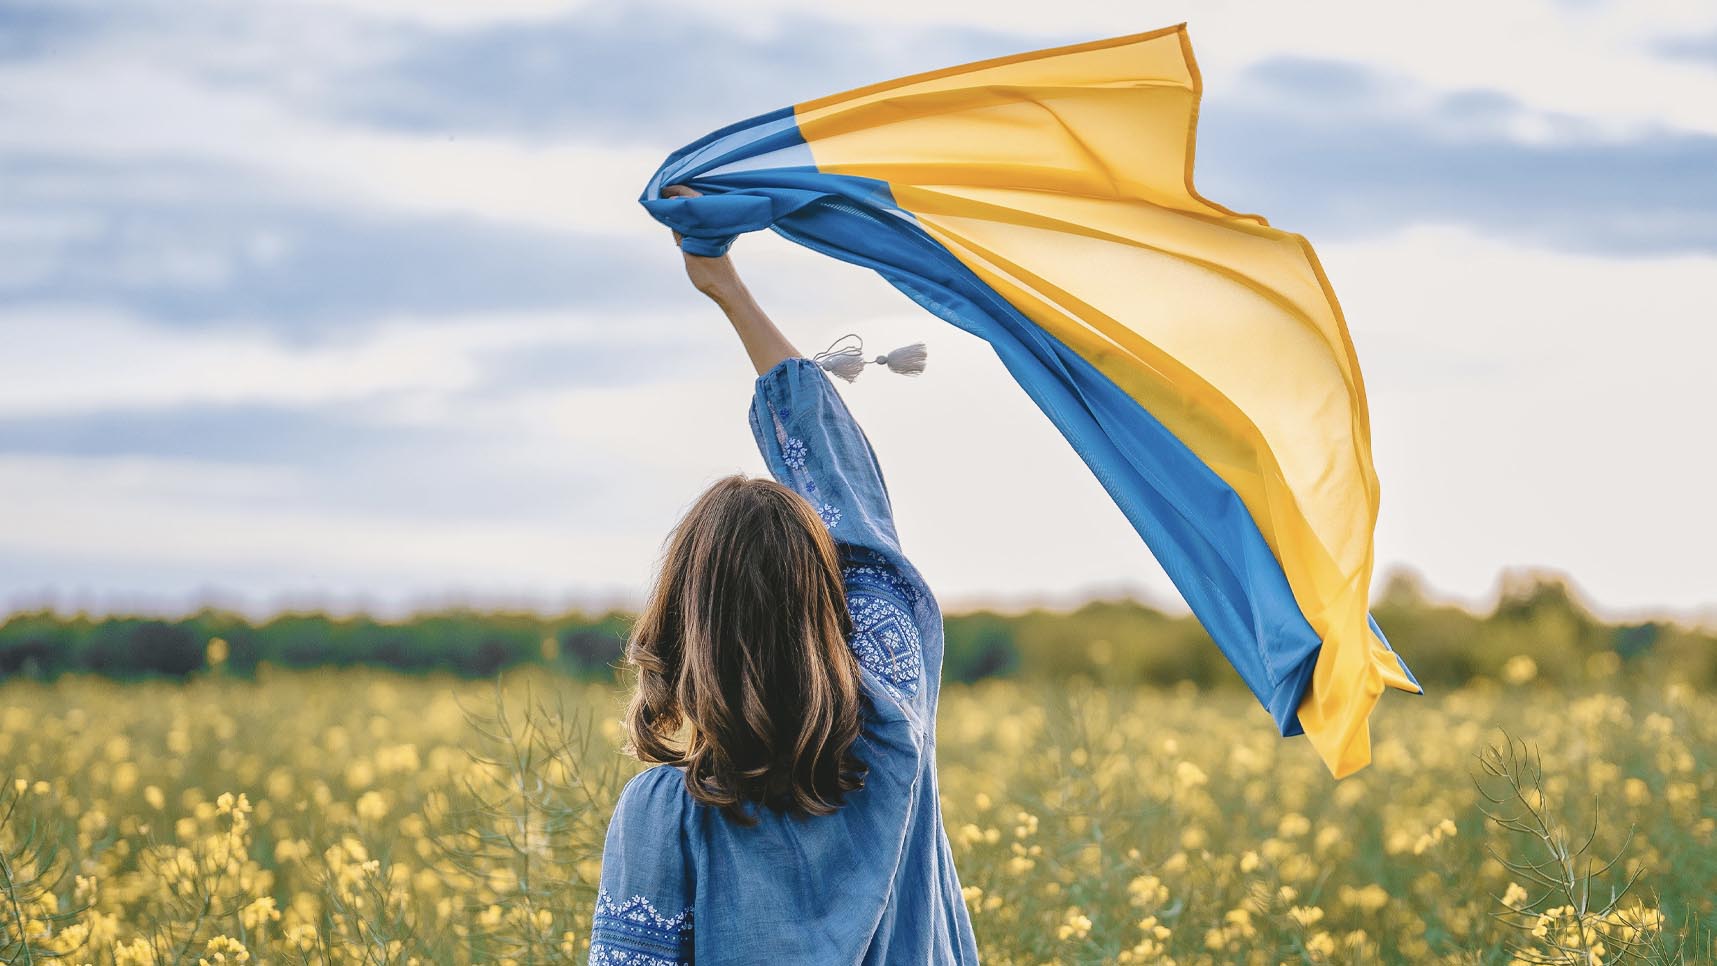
(363, 816)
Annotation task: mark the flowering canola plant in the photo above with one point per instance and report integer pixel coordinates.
(358, 816)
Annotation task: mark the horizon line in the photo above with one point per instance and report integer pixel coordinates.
(397, 607)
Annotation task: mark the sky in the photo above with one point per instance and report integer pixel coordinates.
(353, 305)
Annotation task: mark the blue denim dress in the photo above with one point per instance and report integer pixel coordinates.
(872, 883)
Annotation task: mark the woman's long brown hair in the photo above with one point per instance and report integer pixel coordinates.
(743, 643)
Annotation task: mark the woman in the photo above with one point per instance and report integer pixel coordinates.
(797, 819)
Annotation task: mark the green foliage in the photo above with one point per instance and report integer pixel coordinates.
(465, 642)
(34, 928)
(1539, 630)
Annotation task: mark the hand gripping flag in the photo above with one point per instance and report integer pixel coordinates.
(1194, 357)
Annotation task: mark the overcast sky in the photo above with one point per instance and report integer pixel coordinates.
(355, 305)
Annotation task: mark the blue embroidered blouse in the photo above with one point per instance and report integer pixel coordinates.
(872, 883)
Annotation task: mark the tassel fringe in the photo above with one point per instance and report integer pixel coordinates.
(908, 360)
(848, 361)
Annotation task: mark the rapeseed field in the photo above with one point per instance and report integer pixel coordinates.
(354, 816)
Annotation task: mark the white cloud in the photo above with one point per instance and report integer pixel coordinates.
(147, 514)
(99, 105)
(456, 14)
(1591, 60)
(68, 360)
(170, 92)
(1537, 408)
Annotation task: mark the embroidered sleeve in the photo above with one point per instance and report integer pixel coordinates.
(644, 900)
(632, 932)
(885, 631)
(812, 444)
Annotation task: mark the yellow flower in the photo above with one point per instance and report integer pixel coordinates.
(302, 937)
(138, 952)
(1328, 836)
(1514, 896)
(1240, 921)
(258, 913)
(1519, 669)
(1321, 945)
(1189, 775)
(1148, 890)
(224, 950)
(372, 806)
(1636, 792)
(1076, 925)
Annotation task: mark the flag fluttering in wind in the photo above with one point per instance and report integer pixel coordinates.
(1196, 358)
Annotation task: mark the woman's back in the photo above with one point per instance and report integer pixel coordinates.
(872, 882)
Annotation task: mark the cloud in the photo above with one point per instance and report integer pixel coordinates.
(31, 29)
(491, 417)
(1335, 148)
(118, 523)
(71, 362)
(1341, 151)
(640, 71)
(1597, 61)
(128, 100)
(323, 461)
(1698, 48)
(193, 243)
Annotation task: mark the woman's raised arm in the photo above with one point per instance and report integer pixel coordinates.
(812, 445)
(717, 278)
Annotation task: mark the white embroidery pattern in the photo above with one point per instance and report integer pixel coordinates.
(830, 513)
(793, 453)
(602, 954)
(873, 575)
(633, 933)
(885, 639)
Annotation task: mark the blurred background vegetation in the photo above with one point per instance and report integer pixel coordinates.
(1539, 628)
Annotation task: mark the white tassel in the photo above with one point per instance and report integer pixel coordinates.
(848, 361)
(846, 364)
(908, 360)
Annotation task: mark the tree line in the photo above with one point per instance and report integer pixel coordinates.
(1538, 630)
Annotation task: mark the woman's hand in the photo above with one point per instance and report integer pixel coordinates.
(715, 277)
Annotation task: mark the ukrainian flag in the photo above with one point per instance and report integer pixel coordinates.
(1195, 357)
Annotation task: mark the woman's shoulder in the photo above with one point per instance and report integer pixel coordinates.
(658, 790)
(645, 895)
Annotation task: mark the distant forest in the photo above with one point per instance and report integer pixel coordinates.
(1538, 630)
